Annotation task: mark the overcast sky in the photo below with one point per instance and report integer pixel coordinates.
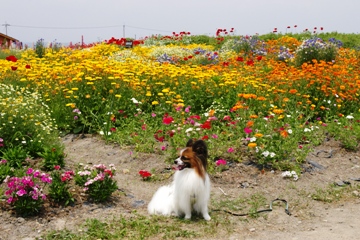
(97, 20)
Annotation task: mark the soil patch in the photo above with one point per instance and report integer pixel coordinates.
(310, 219)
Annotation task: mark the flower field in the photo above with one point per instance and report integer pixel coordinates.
(270, 100)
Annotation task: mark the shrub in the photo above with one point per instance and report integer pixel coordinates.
(98, 181)
(26, 120)
(25, 193)
(317, 49)
(59, 188)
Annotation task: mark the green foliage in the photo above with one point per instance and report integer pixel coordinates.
(5, 170)
(15, 156)
(52, 156)
(59, 188)
(40, 48)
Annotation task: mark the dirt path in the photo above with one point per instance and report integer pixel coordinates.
(310, 219)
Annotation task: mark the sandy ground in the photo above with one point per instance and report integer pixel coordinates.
(310, 219)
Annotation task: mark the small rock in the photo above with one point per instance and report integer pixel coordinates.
(20, 220)
(252, 229)
(356, 193)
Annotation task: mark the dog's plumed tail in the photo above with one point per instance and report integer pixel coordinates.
(162, 202)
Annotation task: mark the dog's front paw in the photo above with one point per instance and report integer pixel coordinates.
(207, 217)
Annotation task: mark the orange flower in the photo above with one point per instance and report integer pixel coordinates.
(252, 145)
(278, 111)
(284, 133)
(258, 135)
(249, 124)
(292, 91)
(254, 116)
(261, 98)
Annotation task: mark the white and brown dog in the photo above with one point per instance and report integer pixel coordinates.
(190, 189)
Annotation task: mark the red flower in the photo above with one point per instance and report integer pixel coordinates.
(240, 59)
(13, 68)
(113, 129)
(167, 120)
(159, 138)
(27, 66)
(206, 125)
(206, 137)
(144, 174)
(225, 64)
(259, 58)
(11, 58)
(109, 172)
(195, 117)
(250, 62)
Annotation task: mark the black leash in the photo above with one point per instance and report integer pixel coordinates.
(260, 211)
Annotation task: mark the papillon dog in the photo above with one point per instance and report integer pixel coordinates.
(190, 189)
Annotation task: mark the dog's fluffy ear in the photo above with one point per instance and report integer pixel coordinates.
(189, 143)
(200, 148)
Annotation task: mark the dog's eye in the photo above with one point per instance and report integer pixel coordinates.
(184, 158)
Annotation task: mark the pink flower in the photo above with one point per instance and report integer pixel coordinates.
(57, 167)
(153, 114)
(163, 148)
(230, 150)
(21, 192)
(220, 162)
(187, 109)
(214, 136)
(29, 171)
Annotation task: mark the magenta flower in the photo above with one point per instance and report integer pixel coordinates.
(247, 130)
(230, 150)
(220, 162)
(153, 115)
(29, 171)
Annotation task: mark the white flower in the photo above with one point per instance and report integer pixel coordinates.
(307, 130)
(349, 117)
(272, 154)
(288, 174)
(189, 130)
(135, 101)
(266, 153)
(289, 131)
(253, 139)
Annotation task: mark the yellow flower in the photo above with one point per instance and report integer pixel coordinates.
(155, 103)
(118, 95)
